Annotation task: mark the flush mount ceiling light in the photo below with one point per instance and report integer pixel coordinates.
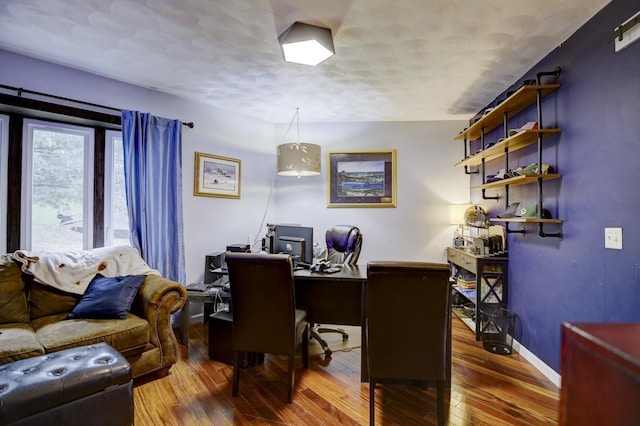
(306, 44)
(298, 158)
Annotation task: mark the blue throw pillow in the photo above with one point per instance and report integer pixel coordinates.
(108, 297)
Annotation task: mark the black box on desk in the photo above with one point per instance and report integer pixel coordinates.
(221, 339)
(212, 261)
(243, 248)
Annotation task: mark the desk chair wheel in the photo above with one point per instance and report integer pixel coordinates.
(313, 334)
(345, 335)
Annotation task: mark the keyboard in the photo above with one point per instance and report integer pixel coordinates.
(301, 265)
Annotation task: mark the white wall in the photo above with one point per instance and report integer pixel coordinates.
(417, 229)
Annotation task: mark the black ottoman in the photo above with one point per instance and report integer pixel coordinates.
(79, 386)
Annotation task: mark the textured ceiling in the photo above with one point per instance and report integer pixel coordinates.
(401, 60)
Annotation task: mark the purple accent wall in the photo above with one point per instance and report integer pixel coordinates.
(598, 154)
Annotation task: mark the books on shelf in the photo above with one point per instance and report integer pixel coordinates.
(466, 280)
(466, 283)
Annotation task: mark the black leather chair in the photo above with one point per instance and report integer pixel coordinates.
(408, 327)
(263, 306)
(344, 243)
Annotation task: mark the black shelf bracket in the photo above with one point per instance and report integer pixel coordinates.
(543, 234)
(466, 168)
(556, 72)
(484, 172)
(485, 197)
(514, 231)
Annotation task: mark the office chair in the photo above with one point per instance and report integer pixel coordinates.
(265, 318)
(408, 327)
(344, 243)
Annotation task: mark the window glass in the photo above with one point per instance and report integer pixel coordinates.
(116, 215)
(57, 197)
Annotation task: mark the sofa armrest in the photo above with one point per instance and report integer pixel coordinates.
(156, 300)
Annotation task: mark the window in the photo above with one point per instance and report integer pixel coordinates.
(4, 154)
(57, 186)
(115, 211)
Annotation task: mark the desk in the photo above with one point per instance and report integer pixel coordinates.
(337, 298)
(340, 298)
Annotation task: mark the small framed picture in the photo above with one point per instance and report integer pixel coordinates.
(361, 178)
(216, 176)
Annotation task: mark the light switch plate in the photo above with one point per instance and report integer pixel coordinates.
(613, 238)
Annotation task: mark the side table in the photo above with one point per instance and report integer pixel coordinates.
(491, 289)
(185, 317)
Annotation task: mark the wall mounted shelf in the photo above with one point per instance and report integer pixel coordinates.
(518, 180)
(518, 141)
(522, 98)
(525, 220)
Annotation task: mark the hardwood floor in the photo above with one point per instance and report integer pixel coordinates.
(487, 389)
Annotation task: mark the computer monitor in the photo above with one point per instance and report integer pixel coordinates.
(294, 246)
(295, 231)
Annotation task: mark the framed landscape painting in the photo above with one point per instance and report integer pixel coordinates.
(361, 178)
(216, 176)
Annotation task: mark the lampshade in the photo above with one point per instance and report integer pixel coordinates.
(306, 44)
(298, 159)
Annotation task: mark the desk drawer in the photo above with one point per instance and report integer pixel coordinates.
(462, 259)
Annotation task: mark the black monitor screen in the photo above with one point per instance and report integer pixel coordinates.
(296, 231)
(292, 245)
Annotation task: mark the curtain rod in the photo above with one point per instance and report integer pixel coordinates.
(20, 91)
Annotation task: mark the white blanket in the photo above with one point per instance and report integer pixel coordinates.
(72, 271)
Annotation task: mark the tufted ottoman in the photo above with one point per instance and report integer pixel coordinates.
(79, 386)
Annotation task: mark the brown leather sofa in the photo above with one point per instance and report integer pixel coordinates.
(33, 321)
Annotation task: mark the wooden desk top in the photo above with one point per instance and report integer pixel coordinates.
(348, 273)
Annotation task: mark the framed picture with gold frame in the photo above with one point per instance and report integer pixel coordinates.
(216, 176)
(361, 178)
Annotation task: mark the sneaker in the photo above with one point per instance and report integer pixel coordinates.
(510, 212)
(532, 169)
(526, 126)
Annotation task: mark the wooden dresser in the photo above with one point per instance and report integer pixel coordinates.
(600, 374)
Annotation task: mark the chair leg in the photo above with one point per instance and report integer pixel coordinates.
(440, 396)
(372, 401)
(345, 335)
(236, 373)
(292, 358)
(305, 347)
(323, 343)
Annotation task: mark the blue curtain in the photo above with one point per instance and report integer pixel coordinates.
(153, 181)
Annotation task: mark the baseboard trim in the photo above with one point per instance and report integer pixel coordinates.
(547, 371)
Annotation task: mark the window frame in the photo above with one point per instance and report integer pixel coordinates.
(21, 107)
(111, 137)
(29, 126)
(4, 179)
